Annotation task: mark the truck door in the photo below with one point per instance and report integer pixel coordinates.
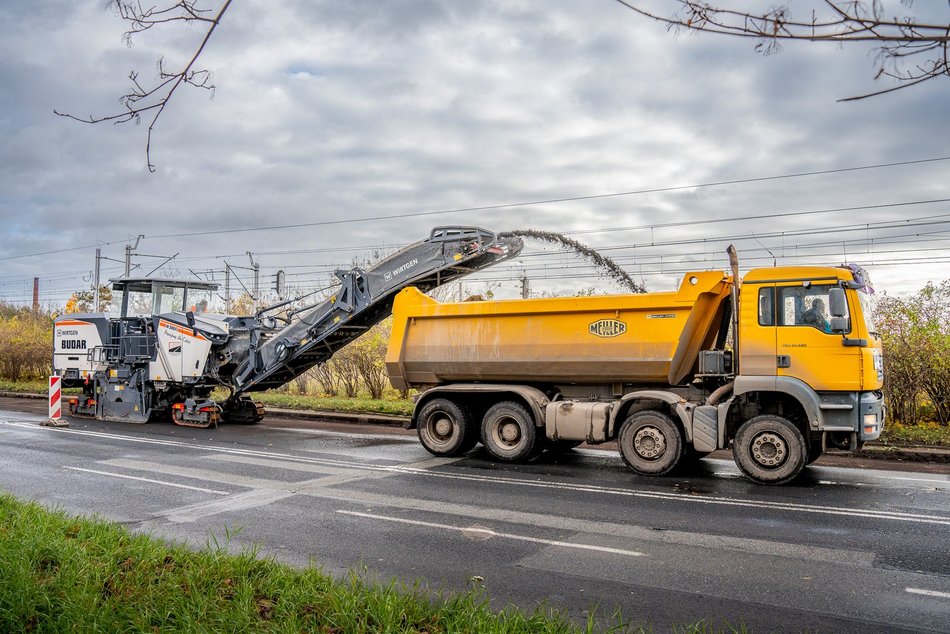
(757, 325)
(806, 348)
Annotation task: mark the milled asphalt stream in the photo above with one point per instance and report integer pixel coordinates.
(873, 455)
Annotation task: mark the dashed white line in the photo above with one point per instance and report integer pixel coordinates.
(488, 533)
(928, 593)
(130, 477)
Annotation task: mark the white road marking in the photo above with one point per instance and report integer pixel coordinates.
(359, 436)
(487, 533)
(236, 502)
(611, 530)
(928, 593)
(897, 516)
(129, 477)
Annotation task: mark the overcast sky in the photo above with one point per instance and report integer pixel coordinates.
(339, 112)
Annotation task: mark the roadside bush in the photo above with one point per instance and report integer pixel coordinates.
(26, 339)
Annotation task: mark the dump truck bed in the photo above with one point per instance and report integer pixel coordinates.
(644, 338)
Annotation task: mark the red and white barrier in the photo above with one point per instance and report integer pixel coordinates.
(55, 397)
(55, 403)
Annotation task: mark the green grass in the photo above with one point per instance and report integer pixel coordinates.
(363, 405)
(923, 434)
(61, 573)
(32, 387)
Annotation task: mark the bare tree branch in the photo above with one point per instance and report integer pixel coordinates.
(910, 52)
(140, 99)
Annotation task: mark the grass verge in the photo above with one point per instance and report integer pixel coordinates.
(930, 434)
(362, 405)
(61, 573)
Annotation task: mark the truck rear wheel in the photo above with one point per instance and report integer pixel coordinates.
(509, 433)
(770, 449)
(650, 443)
(445, 428)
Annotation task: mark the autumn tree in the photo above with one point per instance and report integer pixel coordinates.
(85, 301)
(908, 50)
(916, 335)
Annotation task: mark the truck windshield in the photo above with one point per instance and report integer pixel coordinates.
(868, 309)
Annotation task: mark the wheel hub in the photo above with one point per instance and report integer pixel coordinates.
(649, 443)
(509, 432)
(443, 427)
(769, 449)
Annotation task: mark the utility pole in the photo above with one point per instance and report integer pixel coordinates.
(227, 288)
(257, 280)
(36, 294)
(129, 248)
(525, 290)
(95, 282)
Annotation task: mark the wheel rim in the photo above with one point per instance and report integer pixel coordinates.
(649, 443)
(769, 449)
(440, 428)
(507, 432)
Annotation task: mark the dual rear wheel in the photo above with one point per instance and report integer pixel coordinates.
(447, 428)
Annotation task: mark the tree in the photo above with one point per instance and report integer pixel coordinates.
(916, 335)
(84, 301)
(909, 51)
(152, 99)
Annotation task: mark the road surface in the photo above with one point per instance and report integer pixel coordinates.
(840, 550)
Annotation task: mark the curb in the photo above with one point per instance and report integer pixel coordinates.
(356, 418)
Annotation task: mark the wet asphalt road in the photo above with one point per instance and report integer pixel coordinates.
(840, 550)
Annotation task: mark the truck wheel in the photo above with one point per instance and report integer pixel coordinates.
(650, 443)
(770, 449)
(445, 428)
(509, 433)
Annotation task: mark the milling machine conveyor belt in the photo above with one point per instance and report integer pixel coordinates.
(365, 298)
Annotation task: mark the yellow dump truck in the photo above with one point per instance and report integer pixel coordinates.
(779, 365)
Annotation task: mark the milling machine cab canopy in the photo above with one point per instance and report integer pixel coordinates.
(146, 296)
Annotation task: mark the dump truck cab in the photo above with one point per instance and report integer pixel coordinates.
(808, 332)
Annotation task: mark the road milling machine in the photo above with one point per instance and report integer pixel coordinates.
(161, 356)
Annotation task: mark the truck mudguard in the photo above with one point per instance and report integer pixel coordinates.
(533, 397)
(679, 405)
(795, 388)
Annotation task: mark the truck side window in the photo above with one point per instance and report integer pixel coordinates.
(805, 306)
(766, 306)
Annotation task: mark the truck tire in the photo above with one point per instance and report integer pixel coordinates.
(509, 433)
(770, 449)
(445, 428)
(650, 443)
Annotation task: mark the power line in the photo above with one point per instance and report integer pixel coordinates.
(547, 201)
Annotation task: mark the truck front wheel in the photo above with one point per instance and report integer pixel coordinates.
(445, 428)
(770, 449)
(650, 443)
(509, 433)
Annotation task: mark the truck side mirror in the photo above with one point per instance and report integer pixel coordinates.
(838, 304)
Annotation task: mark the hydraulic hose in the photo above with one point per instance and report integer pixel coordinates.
(717, 394)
